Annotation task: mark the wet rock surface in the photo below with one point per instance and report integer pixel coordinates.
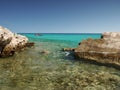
(11, 42)
(105, 50)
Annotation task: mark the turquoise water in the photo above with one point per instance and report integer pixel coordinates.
(73, 38)
(32, 69)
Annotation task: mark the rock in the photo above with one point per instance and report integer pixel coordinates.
(68, 49)
(45, 52)
(105, 50)
(30, 44)
(5, 36)
(11, 42)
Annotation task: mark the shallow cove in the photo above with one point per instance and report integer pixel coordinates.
(33, 70)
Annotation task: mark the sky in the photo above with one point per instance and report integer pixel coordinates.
(60, 16)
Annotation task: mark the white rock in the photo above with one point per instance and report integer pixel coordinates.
(11, 41)
(112, 40)
(5, 35)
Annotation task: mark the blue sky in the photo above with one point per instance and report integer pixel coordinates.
(60, 16)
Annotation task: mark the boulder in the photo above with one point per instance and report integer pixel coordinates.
(10, 42)
(105, 50)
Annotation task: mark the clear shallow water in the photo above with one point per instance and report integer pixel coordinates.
(32, 70)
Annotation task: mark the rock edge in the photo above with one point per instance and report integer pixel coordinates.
(11, 42)
(105, 50)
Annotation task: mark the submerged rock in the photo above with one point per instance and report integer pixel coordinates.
(45, 52)
(105, 50)
(69, 53)
(11, 42)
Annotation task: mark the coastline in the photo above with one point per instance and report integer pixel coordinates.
(46, 66)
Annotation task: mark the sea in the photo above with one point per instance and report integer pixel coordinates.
(46, 67)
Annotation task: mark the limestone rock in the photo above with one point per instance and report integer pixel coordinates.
(5, 36)
(10, 42)
(105, 50)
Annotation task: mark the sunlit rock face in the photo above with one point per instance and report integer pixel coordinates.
(10, 42)
(112, 40)
(5, 36)
(105, 50)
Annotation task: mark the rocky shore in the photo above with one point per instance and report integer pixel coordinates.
(11, 42)
(105, 50)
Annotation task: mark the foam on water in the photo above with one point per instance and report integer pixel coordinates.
(33, 70)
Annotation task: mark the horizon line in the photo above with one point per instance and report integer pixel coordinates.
(57, 33)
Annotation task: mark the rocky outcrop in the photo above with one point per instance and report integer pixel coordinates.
(105, 50)
(11, 42)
